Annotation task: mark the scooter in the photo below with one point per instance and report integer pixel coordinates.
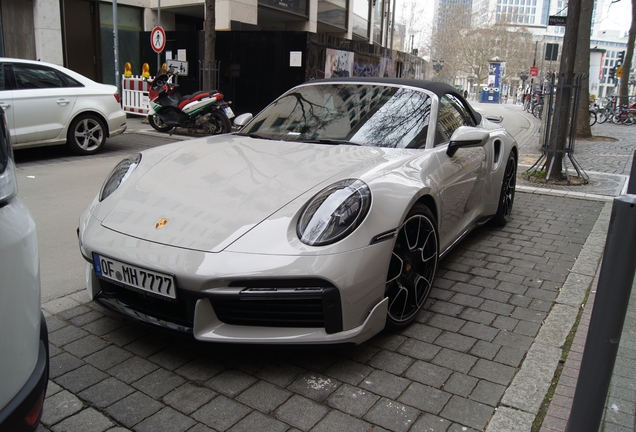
(203, 111)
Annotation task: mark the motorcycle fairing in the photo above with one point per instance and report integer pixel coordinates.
(193, 97)
(196, 106)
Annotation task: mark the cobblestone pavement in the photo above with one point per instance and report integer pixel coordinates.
(481, 355)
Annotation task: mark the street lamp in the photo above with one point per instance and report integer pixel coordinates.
(471, 79)
(437, 66)
(523, 76)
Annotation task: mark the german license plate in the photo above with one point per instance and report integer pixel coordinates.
(127, 275)
(228, 112)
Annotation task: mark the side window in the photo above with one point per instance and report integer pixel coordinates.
(35, 77)
(449, 119)
(3, 86)
(468, 118)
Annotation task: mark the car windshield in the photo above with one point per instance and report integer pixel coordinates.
(347, 113)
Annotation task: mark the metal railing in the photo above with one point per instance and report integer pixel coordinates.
(209, 75)
(553, 111)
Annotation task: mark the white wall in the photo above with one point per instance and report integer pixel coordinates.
(48, 31)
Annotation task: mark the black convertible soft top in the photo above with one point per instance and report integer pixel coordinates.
(436, 87)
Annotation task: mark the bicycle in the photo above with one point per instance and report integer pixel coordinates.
(624, 115)
(607, 111)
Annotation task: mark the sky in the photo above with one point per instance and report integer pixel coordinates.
(619, 16)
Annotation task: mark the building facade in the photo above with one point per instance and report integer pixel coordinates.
(605, 45)
(252, 36)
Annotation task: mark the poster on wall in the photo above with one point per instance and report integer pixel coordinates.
(338, 64)
(494, 75)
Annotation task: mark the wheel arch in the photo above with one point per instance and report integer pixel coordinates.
(95, 113)
(429, 202)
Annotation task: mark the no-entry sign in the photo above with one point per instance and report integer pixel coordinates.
(158, 39)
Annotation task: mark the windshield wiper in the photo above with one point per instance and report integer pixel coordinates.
(331, 141)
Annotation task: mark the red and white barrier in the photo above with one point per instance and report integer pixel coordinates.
(135, 95)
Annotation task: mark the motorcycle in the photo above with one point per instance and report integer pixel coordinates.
(204, 111)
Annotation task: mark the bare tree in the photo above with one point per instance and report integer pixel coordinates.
(480, 45)
(558, 135)
(516, 50)
(582, 66)
(413, 15)
(627, 62)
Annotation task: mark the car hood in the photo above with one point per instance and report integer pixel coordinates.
(210, 192)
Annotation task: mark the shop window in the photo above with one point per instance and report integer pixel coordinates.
(129, 25)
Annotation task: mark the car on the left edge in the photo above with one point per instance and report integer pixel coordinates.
(46, 104)
(24, 346)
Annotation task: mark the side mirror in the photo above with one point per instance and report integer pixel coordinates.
(466, 136)
(495, 119)
(242, 119)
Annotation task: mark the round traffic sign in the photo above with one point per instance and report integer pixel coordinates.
(158, 39)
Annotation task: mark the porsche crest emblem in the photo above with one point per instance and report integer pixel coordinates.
(161, 223)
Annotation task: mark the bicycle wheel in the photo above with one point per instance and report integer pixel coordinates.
(629, 120)
(602, 116)
(592, 118)
(616, 118)
(537, 110)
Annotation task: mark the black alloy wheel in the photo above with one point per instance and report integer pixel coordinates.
(158, 125)
(86, 134)
(412, 267)
(218, 123)
(507, 195)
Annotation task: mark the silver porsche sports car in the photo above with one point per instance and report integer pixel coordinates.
(321, 221)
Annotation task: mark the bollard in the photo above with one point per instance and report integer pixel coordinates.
(608, 316)
(631, 186)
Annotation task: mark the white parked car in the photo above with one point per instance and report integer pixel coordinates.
(46, 104)
(321, 221)
(24, 359)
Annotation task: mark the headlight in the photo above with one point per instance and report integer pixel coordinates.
(118, 175)
(334, 213)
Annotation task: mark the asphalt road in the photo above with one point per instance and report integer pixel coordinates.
(57, 186)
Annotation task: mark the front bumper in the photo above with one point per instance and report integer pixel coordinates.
(247, 298)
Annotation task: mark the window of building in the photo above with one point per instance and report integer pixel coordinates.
(129, 25)
(295, 6)
(361, 18)
(333, 12)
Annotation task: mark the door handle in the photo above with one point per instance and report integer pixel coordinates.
(4, 105)
(62, 101)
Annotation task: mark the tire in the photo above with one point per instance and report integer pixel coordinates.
(158, 125)
(507, 194)
(592, 118)
(412, 267)
(616, 119)
(537, 110)
(218, 123)
(602, 116)
(86, 134)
